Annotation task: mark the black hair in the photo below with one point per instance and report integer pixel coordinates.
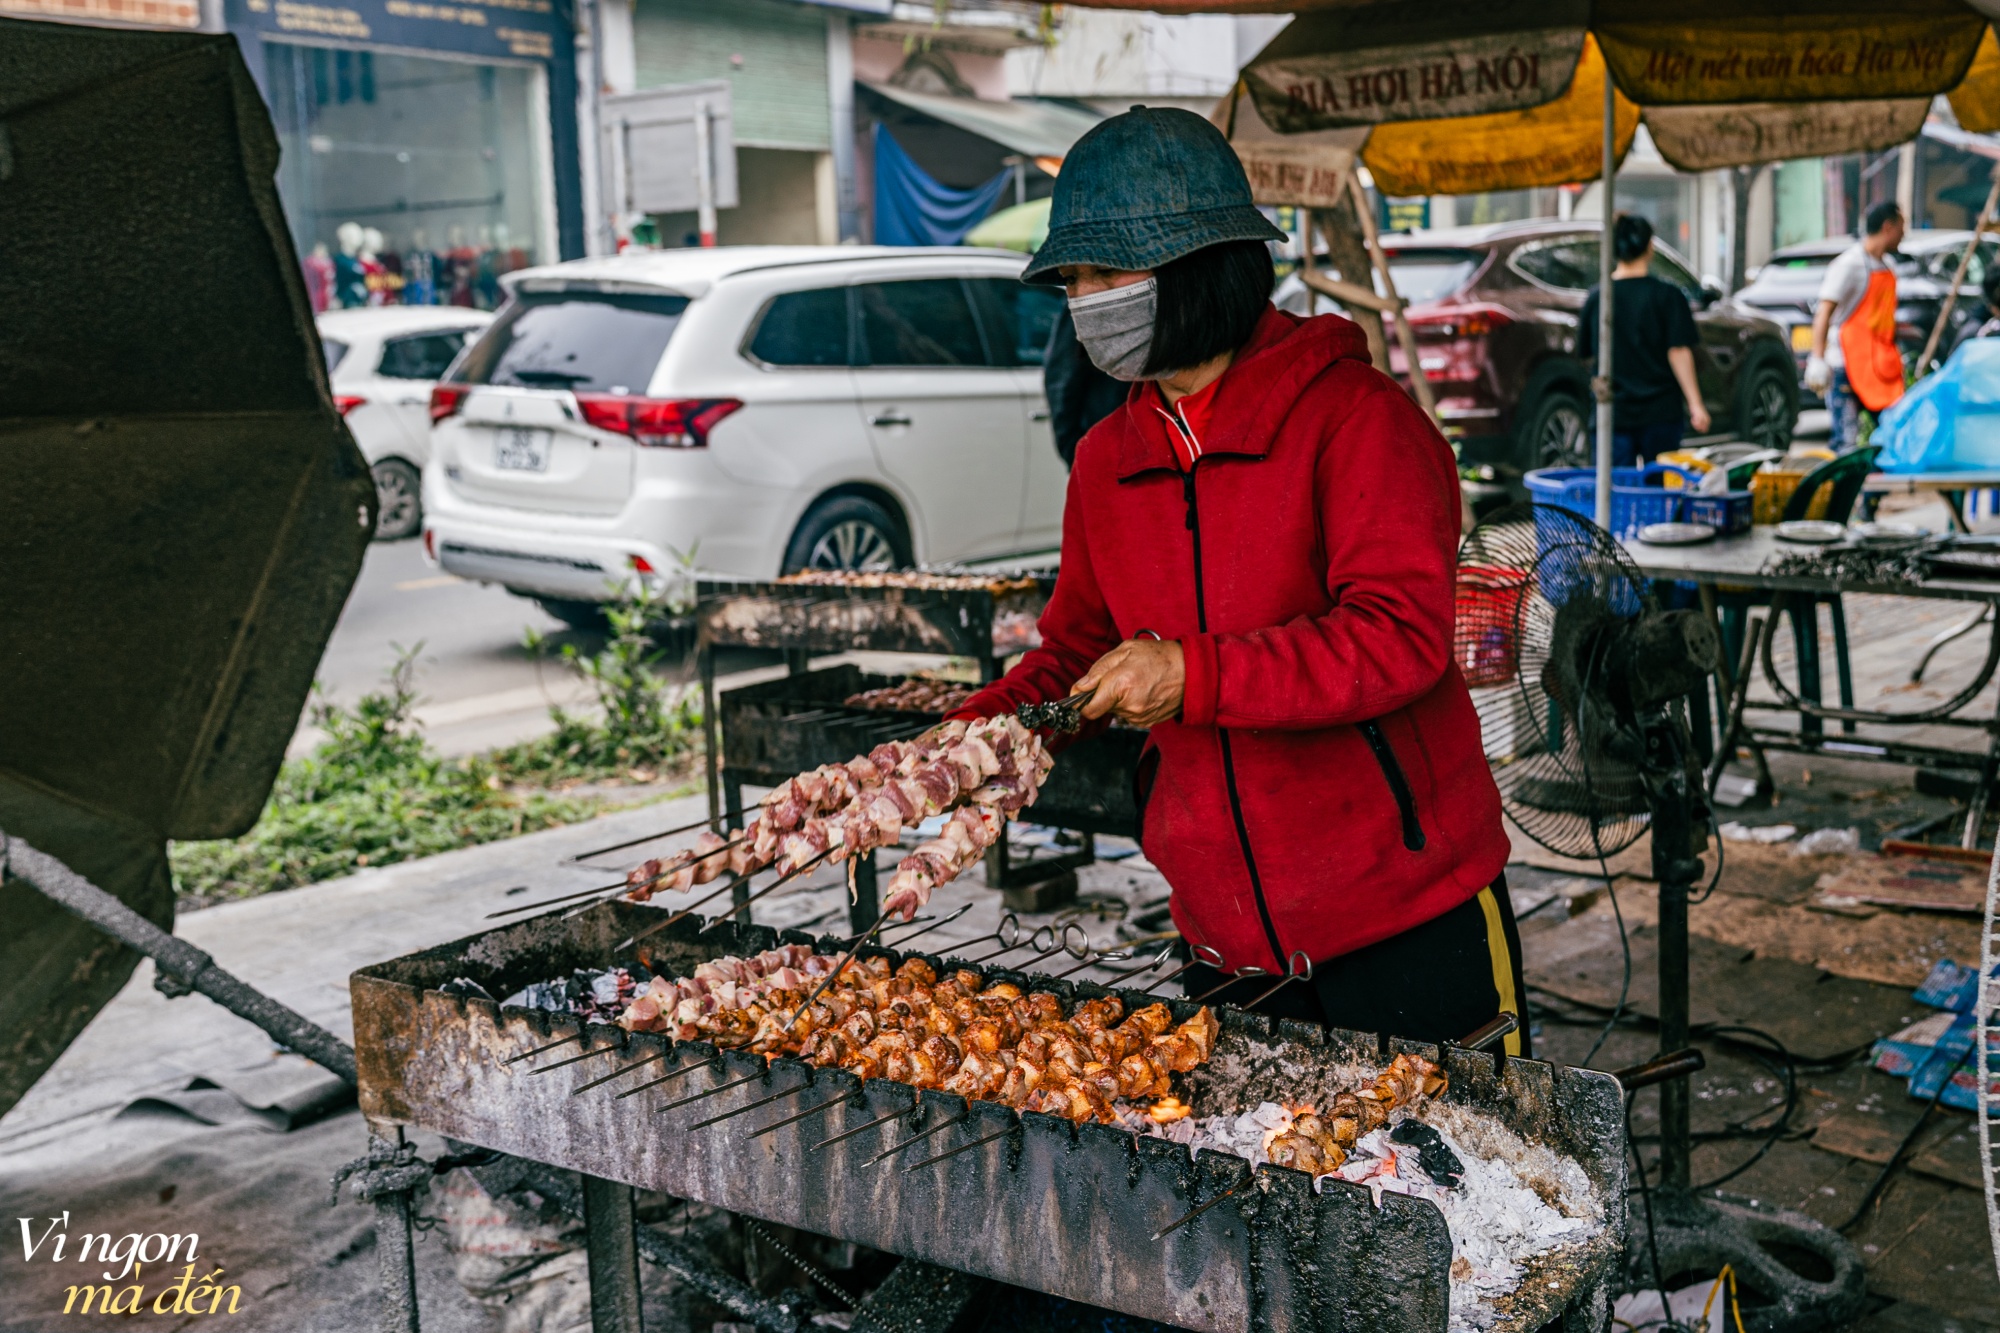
(1882, 215)
(1209, 303)
(1630, 235)
(1989, 287)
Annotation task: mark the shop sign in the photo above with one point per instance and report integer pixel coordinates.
(1347, 67)
(1915, 49)
(1703, 138)
(123, 13)
(533, 29)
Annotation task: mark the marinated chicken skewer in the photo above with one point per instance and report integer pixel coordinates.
(846, 810)
(1319, 1141)
(985, 1042)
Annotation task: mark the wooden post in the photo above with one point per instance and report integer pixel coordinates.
(1404, 333)
(1346, 252)
(1958, 274)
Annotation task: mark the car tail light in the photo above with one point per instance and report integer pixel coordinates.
(347, 402)
(641, 565)
(1453, 341)
(447, 399)
(660, 423)
(431, 544)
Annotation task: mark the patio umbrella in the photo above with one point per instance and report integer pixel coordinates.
(1021, 227)
(184, 511)
(1501, 99)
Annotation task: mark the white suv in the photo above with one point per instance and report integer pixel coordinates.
(752, 410)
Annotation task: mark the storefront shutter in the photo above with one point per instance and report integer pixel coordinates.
(779, 93)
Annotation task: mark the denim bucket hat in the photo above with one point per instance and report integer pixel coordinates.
(1144, 188)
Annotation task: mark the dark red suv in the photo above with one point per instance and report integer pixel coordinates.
(1495, 314)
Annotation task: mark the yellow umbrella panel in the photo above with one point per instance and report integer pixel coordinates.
(1557, 143)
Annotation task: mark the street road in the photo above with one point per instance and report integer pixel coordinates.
(480, 687)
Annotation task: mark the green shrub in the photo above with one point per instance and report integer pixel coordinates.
(372, 793)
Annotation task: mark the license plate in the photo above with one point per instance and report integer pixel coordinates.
(519, 450)
(1801, 337)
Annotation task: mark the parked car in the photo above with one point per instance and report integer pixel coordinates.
(1494, 309)
(1786, 290)
(745, 410)
(382, 361)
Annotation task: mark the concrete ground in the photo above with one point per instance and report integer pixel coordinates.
(259, 1197)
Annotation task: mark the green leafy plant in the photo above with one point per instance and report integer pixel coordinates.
(649, 723)
(372, 793)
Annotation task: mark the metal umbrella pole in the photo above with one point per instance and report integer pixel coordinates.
(1600, 387)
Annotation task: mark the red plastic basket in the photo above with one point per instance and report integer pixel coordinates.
(1488, 609)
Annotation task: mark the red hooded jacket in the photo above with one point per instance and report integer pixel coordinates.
(1325, 786)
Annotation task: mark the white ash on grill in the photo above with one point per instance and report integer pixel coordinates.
(593, 996)
(918, 694)
(1512, 1201)
(910, 579)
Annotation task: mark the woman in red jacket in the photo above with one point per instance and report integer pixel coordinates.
(1258, 550)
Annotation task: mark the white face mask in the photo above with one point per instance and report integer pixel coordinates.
(1115, 327)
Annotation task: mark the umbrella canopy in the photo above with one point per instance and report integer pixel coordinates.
(1022, 227)
(184, 512)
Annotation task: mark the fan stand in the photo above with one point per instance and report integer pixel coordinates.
(1695, 1237)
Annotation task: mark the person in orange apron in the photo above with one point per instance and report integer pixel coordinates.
(1855, 363)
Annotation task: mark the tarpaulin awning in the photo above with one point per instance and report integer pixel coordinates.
(1700, 138)
(1032, 129)
(184, 512)
(1023, 227)
(1976, 100)
(911, 208)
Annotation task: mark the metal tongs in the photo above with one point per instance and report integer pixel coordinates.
(1064, 716)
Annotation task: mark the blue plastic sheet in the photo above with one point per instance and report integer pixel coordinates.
(911, 208)
(1949, 421)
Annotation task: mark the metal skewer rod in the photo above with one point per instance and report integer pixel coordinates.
(657, 927)
(1301, 969)
(1161, 957)
(1110, 955)
(578, 1035)
(838, 968)
(624, 1069)
(1009, 934)
(622, 886)
(823, 1107)
(1202, 954)
(920, 1136)
(634, 842)
(710, 1092)
(559, 898)
(1188, 1217)
(750, 1106)
(1240, 974)
(601, 1050)
(963, 1147)
(858, 1129)
(669, 1076)
(778, 883)
(901, 940)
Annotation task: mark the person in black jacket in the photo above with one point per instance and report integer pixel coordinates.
(1080, 395)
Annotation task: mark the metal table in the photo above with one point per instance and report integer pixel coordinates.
(1739, 564)
(1953, 486)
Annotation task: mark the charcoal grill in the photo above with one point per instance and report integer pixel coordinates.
(1068, 1210)
(830, 619)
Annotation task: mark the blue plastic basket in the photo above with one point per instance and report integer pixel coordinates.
(1638, 497)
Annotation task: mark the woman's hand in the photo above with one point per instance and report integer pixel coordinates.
(1141, 680)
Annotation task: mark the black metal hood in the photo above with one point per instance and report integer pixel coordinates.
(181, 510)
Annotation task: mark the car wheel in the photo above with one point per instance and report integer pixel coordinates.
(586, 616)
(1770, 408)
(1555, 432)
(847, 532)
(399, 506)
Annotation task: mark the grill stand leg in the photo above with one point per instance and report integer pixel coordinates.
(1690, 1233)
(386, 1177)
(711, 736)
(398, 1263)
(612, 1251)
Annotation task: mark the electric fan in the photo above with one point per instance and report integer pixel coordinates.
(1581, 682)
